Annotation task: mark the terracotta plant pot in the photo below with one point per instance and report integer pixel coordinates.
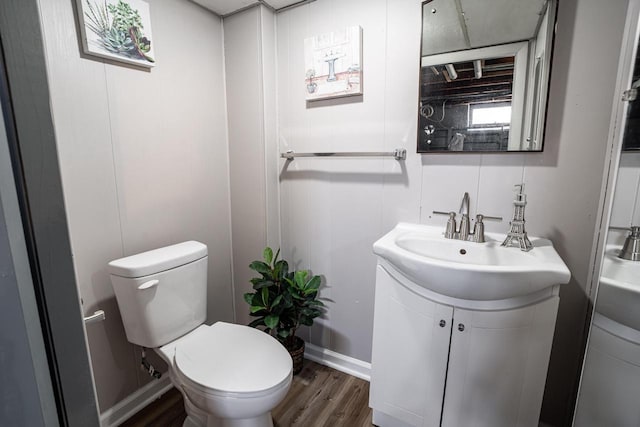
(297, 354)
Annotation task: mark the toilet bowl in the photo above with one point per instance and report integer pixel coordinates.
(234, 373)
(229, 375)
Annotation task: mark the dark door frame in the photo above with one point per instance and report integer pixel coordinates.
(24, 94)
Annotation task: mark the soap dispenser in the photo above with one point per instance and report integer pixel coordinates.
(517, 235)
(631, 248)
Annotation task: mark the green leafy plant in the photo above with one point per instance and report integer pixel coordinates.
(119, 29)
(282, 300)
(125, 17)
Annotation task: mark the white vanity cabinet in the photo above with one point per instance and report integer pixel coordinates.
(410, 351)
(443, 361)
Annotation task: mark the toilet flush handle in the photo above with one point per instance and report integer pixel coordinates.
(149, 284)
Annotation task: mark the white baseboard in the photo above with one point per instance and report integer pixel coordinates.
(338, 361)
(133, 403)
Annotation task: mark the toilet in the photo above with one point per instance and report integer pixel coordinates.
(229, 375)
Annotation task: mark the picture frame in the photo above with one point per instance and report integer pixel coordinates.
(119, 30)
(333, 64)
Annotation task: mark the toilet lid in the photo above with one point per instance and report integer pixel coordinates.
(233, 358)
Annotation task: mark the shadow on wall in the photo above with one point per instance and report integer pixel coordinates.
(119, 354)
(562, 364)
(321, 334)
(569, 344)
(398, 178)
(104, 360)
(559, 76)
(320, 103)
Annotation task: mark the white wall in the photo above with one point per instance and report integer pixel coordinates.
(144, 164)
(249, 42)
(334, 209)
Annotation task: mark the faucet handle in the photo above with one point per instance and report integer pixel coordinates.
(631, 248)
(450, 231)
(478, 229)
(634, 229)
(495, 218)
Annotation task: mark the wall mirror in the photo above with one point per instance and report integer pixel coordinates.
(610, 382)
(484, 75)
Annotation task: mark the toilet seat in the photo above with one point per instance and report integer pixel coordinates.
(232, 360)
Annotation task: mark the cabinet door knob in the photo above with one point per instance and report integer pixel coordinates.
(460, 327)
(443, 323)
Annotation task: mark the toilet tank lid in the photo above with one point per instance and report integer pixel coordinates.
(158, 260)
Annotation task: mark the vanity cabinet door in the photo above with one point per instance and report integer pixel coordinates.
(611, 376)
(498, 366)
(410, 349)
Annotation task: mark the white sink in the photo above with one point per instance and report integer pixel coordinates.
(467, 270)
(619, 291)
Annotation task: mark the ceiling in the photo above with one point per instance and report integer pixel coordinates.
(227, 7)
(450, 25)
(495, 84)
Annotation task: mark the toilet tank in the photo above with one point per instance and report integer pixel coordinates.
(161, 294)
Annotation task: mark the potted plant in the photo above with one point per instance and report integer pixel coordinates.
(282, 301)
(311, 85)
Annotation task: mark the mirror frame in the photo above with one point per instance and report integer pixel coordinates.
(533, 117)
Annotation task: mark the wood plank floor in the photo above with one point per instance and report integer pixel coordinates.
(319, 396)
(167, 411)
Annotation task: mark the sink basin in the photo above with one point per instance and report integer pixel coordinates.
(619, 291)
(467, 270)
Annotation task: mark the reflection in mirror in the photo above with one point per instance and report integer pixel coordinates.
(610, 383)
(474, 104)
(484, 74)
(631, 140)
(611, 376)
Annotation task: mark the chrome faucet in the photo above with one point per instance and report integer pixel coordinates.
(464, 207)
(462, 232)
